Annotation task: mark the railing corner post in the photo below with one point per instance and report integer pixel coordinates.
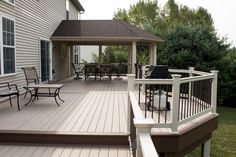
(191, 69)
(131, 78)
(214, 90)
(175, 103)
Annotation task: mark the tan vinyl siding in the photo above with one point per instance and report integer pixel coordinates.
(34, 20)
(73, 12)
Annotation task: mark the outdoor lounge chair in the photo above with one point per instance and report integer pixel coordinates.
(7, 90)
(105, 70)
(79, 69)
(90, 70)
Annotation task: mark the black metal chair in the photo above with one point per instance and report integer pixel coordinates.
(105, 70)
(91, 70)
(79, 69)
(31, 77)
(7, 90)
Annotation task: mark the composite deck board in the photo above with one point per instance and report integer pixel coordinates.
(40, 150)
(90, 106)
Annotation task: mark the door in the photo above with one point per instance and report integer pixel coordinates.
(45, 60)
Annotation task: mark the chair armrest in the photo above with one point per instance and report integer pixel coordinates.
(7, 83)
(14, 85)
(4, 84)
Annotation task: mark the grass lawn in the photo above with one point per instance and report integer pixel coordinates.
(224, 138)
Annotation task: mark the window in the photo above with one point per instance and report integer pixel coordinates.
(7, 46)
(76, 53)
(10, 1)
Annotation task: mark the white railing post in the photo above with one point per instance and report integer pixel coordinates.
(191, 69)
(131, 85)
(142, 126)
(175, 103)
(143, 74)
(214, 90)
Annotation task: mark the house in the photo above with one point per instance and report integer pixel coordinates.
(26, 28)
(42, 34)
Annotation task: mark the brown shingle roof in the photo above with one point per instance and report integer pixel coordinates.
(82, 30)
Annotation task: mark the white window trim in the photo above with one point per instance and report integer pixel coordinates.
(7, 1)
(50, 57)
(2, 74)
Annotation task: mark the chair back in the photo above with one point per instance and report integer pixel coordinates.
(31, 75)
(91, 68)
(160, 72)
(78, 67)
(105, 68)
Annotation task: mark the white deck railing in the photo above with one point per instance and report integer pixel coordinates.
(143, 125)
(140, 125)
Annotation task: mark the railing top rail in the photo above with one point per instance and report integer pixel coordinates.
(136, 109)
(200, 72)
(154, 81)
(196, 78)
(179, 70)
(147, 146)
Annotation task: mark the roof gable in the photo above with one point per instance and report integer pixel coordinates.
(101, 29)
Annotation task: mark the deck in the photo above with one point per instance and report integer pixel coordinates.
(39, 150)
(90, 106)
(95, 107)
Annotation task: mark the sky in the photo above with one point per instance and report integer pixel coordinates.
(222, 11)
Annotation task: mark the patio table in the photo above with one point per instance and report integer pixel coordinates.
(50, 87)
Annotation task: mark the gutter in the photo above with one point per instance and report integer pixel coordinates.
(78, 6)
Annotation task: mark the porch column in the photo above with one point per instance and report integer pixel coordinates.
(70, 50)
(150, 54)
(154, 54)
(129, 60)
(100, 54)
(133, 56)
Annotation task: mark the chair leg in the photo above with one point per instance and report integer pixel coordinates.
(10, 100)
(25, 94)
(18, 104)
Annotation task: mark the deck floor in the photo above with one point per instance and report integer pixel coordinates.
(39, 150)
(90, 106)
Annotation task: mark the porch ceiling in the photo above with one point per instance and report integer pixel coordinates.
(101, 32)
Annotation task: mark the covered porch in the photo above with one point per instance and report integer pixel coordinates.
(74, 33)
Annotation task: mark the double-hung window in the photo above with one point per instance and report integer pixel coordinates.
(10, 1)
(7, 46)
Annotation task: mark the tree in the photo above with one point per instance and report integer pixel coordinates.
(227, 78)
(192, 46)
(190, 38)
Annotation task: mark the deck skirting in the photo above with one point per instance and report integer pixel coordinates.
(50, 137)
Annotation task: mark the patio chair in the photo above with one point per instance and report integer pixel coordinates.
(90, 70)
(152, 91)
(105, 70)
(7, 90)
(79, 69)
(32, 77)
